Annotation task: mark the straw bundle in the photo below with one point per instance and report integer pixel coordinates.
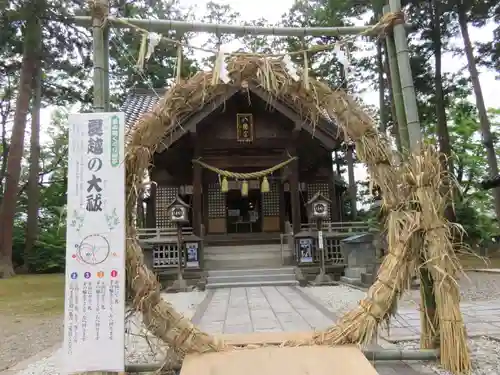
(426, 173)
(403, 223)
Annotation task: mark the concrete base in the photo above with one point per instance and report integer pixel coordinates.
(322, 279)
(179, 285)
(367, 278)
(354, 272)
(352, 281)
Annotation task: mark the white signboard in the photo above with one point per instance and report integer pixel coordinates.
(94, 329)
(320, 239)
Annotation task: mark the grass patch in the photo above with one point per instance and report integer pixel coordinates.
(473, 261)
(32, 295)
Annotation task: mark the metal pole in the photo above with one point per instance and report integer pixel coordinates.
(399, 106)
(407, 87)
(371, 355)
(163, 26)
(179, 253)
(101, 90)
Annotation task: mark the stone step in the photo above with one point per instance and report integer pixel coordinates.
(253, 271)
(249, 278)
(251, 284)
(240, 256)
(242, 263)
(242, 249)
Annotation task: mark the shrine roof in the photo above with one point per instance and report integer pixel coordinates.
(139, 102)
(158, 119)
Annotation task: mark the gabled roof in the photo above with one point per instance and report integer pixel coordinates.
(318, 106)
(139, 102)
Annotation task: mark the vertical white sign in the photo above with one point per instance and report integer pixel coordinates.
(94, 321)
(320, 239)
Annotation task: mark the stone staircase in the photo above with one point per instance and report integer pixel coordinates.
(223, 257)
(283, 276)
(246, 265)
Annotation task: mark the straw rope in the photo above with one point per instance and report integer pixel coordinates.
(245, 176)
(412, 197)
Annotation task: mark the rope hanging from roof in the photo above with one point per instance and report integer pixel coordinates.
(244, 177)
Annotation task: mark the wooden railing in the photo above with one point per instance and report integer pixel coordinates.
(346, 227)
(155, 235)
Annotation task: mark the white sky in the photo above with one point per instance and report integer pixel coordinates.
(272, 12)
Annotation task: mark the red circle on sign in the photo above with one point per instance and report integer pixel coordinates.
(114, 273)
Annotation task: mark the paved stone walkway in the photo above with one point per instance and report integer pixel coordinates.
(480, 318)
(261, 309)
(274, 309)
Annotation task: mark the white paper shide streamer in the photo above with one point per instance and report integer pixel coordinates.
(220, 64)
(342, 57)
(153, 41)
(287, 60)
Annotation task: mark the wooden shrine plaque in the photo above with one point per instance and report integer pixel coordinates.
(274, 360)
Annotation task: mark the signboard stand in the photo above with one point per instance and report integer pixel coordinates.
(94, 320)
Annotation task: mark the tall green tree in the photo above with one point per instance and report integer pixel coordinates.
(31, 58)
(466, 10)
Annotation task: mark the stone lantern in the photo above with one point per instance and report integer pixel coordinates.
(318, 210)
(177, 212)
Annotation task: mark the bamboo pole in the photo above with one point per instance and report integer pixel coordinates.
(163, 26)
(101, 80)
(430, 328)
(397, 94)
(407, 86)
(100, 57)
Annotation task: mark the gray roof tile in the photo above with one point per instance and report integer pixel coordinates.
(138, 102)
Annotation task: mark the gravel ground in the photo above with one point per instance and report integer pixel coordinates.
(474, 286)
(139, 349)
(484, 352)
(22, 338)
(338, 299)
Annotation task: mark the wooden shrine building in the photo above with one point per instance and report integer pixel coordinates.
(244, 131)
(246, 161)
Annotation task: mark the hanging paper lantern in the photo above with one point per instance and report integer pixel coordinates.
(264, 187)
(224, 186)
(244, 189)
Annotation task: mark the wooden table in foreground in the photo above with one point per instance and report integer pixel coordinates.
(274, 360)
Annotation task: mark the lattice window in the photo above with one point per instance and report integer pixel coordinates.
(271, 200)
(166, 255)
(216, 201)
(321, 187)
(333, 255)
(164, 196)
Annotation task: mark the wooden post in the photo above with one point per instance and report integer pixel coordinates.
(151, 207)
(294, 185)
(197, 188)
(352, 181)
(334, 207)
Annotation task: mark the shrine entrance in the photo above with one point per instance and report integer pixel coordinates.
(244, 214)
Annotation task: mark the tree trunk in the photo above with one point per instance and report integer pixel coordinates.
(481, 107)
(441, 126)
(8, 206)
(34, 170)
